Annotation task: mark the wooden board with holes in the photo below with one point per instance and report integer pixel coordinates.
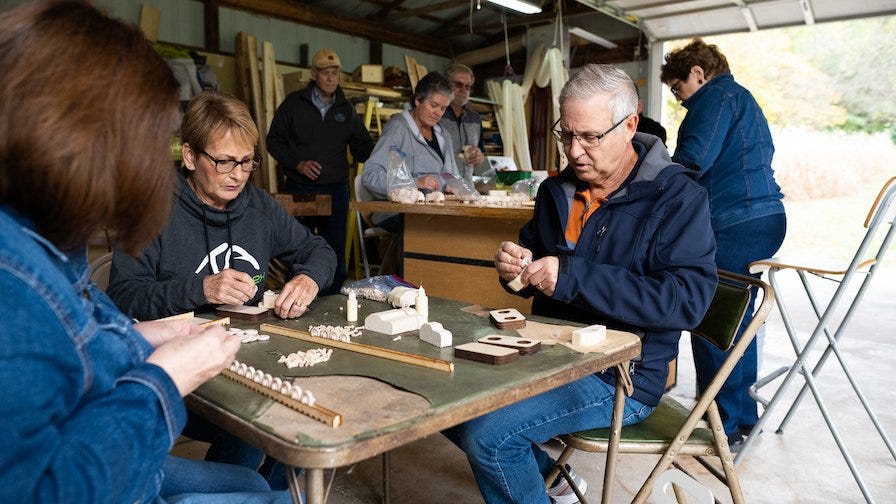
(523, 345)
(489, 354)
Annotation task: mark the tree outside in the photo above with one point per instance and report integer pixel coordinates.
(828, 93)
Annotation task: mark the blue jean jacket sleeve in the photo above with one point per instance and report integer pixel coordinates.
(85, 419)
(703, 132)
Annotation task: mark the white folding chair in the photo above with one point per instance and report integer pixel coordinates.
(879, 234)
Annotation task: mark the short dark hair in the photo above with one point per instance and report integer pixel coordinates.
(81, 153)
(697, 53)
(433, 82)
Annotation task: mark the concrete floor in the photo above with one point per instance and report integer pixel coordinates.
(801, 466)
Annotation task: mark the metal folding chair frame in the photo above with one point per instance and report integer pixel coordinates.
(881, 213)
(723, 320)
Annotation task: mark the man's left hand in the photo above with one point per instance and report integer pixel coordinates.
(542, 274)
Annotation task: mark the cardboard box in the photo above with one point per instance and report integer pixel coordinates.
(371, 74)
(295, 81)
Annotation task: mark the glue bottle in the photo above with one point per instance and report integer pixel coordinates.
(422, 305)
(351, 307)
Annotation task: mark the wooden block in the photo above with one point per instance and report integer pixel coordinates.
(507, 318)
(523, 345)
(149, 22)
(372, 74)
(393, 321)
(402, 297)
(516, 284)
(589, 336)
(489, 354)
(410, 63)
(295, 81)
(434, 334)
(243, 312)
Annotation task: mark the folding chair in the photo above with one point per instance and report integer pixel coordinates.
(672, 429)
(100, 269)
(880, 230)
(366, 230)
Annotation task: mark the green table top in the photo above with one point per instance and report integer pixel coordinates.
(384, 403)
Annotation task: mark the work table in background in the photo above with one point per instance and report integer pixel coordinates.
(450, 248)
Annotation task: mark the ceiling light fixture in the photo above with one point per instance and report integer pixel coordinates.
(590, 37)
(518, 5)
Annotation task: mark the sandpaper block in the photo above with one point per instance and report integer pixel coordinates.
(508, 318)
(489, 354)
(525, 346)
(243, 312)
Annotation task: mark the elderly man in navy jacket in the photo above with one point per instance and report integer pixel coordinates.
(308, 138)
(621, 237)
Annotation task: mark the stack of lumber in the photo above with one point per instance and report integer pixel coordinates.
(262, 89)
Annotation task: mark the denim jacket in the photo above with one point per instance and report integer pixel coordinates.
(726, 138)
(85, 418)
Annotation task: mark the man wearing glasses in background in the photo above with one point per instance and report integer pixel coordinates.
(622, 238)
(462, 123)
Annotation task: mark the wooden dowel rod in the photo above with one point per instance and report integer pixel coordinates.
(317, 412)
(385, 353)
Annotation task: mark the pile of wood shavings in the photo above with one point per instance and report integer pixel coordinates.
(306, 359)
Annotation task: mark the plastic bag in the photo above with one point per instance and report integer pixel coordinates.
(400, 185)
(376, 288)
(460, 188)
(528, 186)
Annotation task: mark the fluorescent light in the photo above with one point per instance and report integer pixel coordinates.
(518, 5)
(590, 37)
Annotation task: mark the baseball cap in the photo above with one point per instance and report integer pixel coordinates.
(325, 58)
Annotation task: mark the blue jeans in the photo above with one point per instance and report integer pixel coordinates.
(200, 482)
(329, 227)
(736, 247)
(502, 446)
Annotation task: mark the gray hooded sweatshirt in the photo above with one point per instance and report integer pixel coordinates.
(198, 241)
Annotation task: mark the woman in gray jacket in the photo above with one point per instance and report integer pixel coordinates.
(429, 153)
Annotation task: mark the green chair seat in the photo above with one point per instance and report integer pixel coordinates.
(657, 429)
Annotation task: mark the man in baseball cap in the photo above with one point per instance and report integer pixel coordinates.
(308, 137)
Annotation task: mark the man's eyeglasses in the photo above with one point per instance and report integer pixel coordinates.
(461, 85)
(228, 165)
(586, 140)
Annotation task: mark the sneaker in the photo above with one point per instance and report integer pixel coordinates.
(561, 493)
(736, 442)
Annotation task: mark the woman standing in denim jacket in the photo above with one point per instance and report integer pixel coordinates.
(91, 402)
(725, 137)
